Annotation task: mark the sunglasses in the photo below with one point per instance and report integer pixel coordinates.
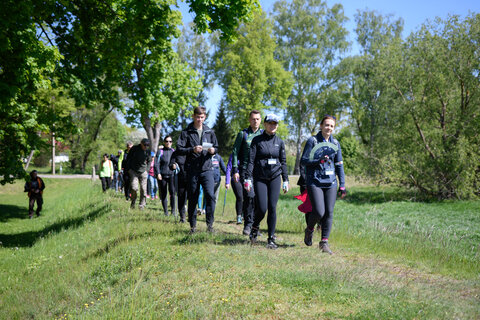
(168, 141)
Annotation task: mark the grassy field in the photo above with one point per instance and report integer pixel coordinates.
(89, 257)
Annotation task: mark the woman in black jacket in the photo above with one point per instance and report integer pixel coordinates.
(165, 174)
(267, 163)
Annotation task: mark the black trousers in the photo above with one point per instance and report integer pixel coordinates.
(105, 183)
(35, 197)
(126, 185)
(323, 202)
(182, 193)
(238, 191)
(267, 193)
(248, 207)
(205, 179)
(163, 185)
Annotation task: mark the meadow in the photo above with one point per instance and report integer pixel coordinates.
(90, 257)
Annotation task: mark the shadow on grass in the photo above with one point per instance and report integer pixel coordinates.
(9, 211)
(29, 238)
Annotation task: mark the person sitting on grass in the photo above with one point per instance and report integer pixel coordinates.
(35, 188)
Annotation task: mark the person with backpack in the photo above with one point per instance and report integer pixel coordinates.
(240, 155)
(267, 166)
(35, 188)
(106, 172)
(165, 174)
(322, 158)
(138, 163)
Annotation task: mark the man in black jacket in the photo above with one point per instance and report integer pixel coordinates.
(126, 175)
(138, 162)
(198, 143)
(34, 187)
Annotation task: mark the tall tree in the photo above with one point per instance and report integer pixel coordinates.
(435, 74)
(311, 38)
(249, 74)
(224, 133)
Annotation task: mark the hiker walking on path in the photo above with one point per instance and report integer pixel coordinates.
(35, 188)
(106, 172)
(237, 189)
(165, 174)
(138, 162)
(217, 164)
(177, 163)
(126, 175)
(198, 142)
(152, 185)
(322, 158)
(266, 165)
(240, 155)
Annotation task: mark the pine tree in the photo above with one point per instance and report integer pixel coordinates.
(224, 133)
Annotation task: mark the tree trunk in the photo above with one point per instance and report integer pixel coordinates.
(29, 159)
(53, 153)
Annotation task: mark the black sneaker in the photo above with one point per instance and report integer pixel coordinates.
(193, 230)
(271, 244)
(323, 245)
(246, 231)
(210, 229)
(308, 236)
(253, 235)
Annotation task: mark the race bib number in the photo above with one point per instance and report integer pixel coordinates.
(329, 172)
(272, 161)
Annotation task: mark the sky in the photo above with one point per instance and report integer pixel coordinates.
(414, 13)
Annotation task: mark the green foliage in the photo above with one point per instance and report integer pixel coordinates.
(224, 133)
(250, 75)
(351, 152)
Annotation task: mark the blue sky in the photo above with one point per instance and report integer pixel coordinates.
(414, 13)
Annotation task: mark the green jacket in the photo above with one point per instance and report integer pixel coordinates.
(241, 148)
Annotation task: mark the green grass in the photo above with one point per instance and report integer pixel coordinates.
(89, 257)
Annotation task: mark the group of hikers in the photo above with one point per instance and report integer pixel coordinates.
(256, 171)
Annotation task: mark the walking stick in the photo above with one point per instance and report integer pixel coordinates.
(224, 201)
(175, 198)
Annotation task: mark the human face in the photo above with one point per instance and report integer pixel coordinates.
(271, 127)
(255, 121)
(144, 147)
(327, 128)
(198, 120)
(168, 143)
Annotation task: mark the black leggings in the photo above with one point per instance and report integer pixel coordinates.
(163, 184)
(267, 193)
(323, 202)
(105, 183)
(238, 191)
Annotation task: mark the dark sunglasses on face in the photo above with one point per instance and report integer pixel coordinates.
(168, 141)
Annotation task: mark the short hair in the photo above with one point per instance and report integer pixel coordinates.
(167, 136)
(129, 143)
(200, 110)
(327, 116)
(105, 155)
(254, 111)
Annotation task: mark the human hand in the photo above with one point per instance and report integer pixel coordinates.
(227, 186)
(211, 150)
(285, 187)
(159, 176)
(342, 192)
(174, 166)
(197, 149)
(236, 176)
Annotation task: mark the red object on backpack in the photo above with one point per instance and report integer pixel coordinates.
(306, 206)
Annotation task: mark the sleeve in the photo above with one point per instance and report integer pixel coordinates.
(173, 159)
(222, 164)
(305, 159)
(228, 173)
(215, 142)
(236, 151)
(156, 165)
(251, 158)
(283, 161)
(43, 184)
(339, 167)
(182, 147)
(111, 167)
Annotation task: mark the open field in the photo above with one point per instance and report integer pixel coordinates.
(88, 257)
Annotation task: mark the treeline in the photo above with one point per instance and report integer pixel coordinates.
(407, 108)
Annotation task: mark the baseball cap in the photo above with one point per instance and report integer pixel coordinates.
(271, 117)
(145, 142)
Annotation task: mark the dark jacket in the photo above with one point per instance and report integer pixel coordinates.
(264, 149)
(138, 159)
(323, 162)
(114, 160)
(196, 162)
(34, 185)
(162, 162)
(124, 164)
(217, 164)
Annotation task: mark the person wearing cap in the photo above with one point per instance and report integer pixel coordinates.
(106, 172)
(240, 154)
(198, 143)
(138, 162)
(35, 188)
(165, 174)
(322, 158)
(267, 165)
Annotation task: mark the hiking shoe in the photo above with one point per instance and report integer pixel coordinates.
(323, 245)
(308, 236)
(210, 229)
(193, 230)
(271, 244)
(199, 212)
(246, 231)
(239, 219)
(253, 236)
